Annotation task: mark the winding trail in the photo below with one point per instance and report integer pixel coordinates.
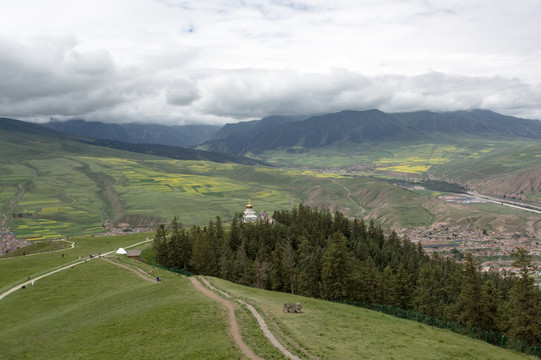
(262, 325)
(269, 335)
(232, 320)
(349, 196)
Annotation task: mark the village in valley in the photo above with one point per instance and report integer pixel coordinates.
(492, 249)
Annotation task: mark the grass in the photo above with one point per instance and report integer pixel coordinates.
(336, 331)
(99, 311)
(16, 269)
(39, 247)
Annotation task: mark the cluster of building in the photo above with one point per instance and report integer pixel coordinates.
(493, 249)
(8, 241)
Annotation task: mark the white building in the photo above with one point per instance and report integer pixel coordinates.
(249, 213)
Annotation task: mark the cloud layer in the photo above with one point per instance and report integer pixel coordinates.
(176, 61)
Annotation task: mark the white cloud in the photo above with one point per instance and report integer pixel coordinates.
(223, 60)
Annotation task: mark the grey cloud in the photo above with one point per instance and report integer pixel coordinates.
(258, 93)
(60, 81)
(182, 93)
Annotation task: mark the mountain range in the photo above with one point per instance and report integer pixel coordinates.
(28, 138)
(365, 126)
(181, 135)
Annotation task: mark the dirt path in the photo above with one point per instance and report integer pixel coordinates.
(143, 275)
(232, 320)
(262, 325)
(268, 333)
(350, 198)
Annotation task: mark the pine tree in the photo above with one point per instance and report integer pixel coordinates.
(261, 268)
(370, 280)
(181, 245)
(469, 300)
(491, 302)
(161, 245)
(386, 293)
(203, 254)
(525, 314)
(426, 293)
(402, 288)
(335, 269)
(309, 268)
(289, 263)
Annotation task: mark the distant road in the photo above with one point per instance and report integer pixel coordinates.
(510, 203)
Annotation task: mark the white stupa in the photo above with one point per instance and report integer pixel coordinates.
(249, 213)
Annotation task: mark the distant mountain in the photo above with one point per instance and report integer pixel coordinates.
(232, 138)
(22, 139)
(183, 135)
(367, 126)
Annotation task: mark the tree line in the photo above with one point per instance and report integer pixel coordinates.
(328, 256)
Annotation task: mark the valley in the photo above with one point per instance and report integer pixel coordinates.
(57, 186)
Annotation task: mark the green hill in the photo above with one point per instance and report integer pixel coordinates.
(102, 311)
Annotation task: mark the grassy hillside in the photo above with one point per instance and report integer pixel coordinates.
(101, 311)
(512, 171)
(336, 331)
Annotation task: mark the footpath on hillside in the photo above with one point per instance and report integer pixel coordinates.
(233, 321)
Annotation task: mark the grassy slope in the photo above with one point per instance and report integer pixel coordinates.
(506, 171)
(100, 311)
(97, 310)
(335, 331)
(15, 270)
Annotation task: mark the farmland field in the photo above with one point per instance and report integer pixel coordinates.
(55, 188)
(79, 195)
(401, 157)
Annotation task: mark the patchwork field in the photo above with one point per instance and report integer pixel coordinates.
(391, 157)
(52, 188)
(84, 195)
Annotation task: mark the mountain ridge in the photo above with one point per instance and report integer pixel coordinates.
(22, 134)
(372, 126)
(174, 135)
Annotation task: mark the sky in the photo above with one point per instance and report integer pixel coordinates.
(219, 61)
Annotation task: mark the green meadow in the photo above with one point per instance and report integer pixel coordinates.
(336, 331)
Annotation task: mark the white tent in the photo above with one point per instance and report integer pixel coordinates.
(121, 251)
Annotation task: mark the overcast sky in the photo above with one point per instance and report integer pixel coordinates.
(217, 61)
